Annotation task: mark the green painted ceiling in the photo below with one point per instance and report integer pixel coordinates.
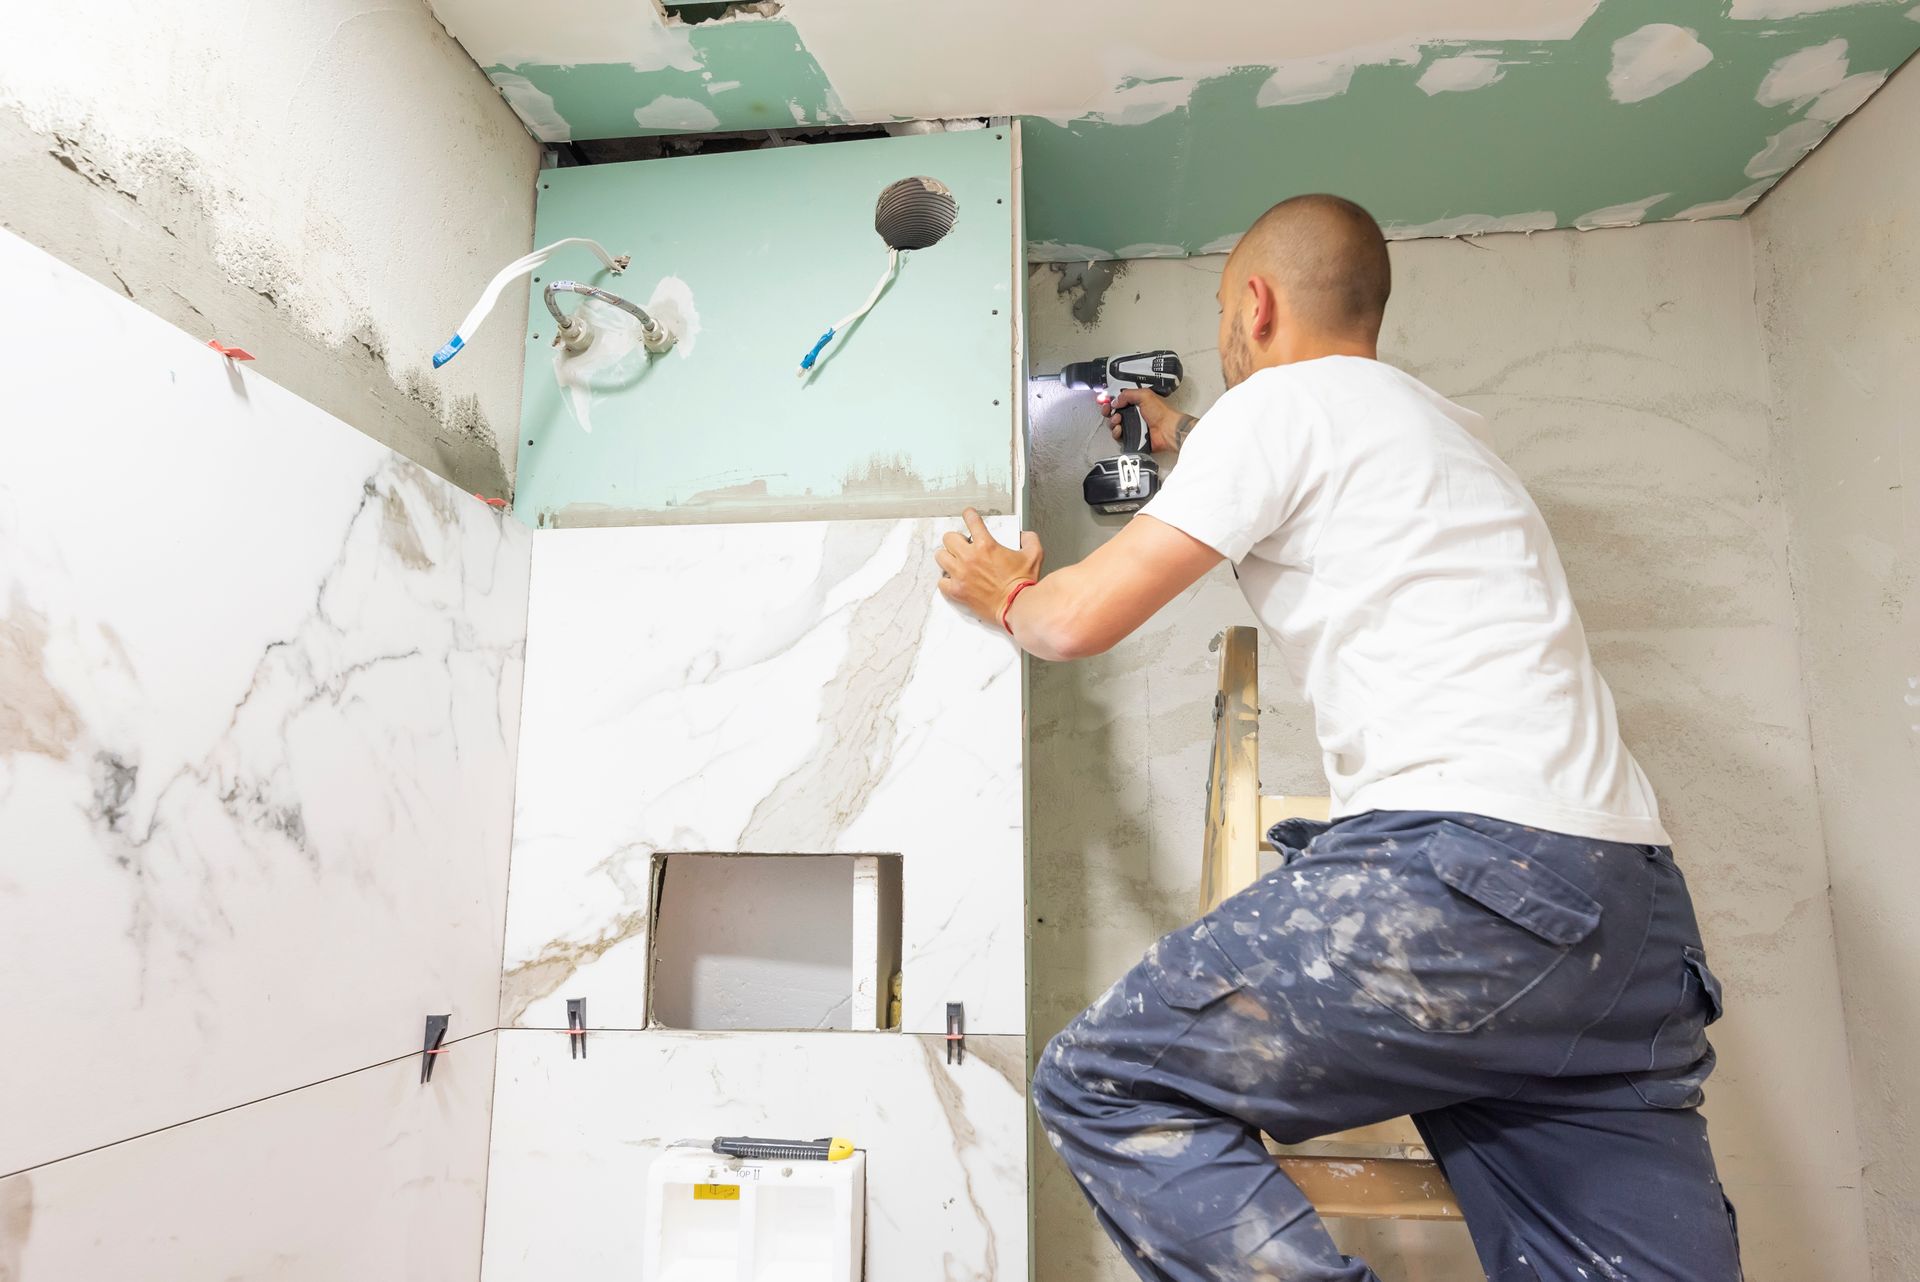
(1444, 117)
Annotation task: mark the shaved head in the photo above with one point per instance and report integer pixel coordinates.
(1329, 257)
(1326, 259)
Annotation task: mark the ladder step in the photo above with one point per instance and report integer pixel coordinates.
(1372, 1188)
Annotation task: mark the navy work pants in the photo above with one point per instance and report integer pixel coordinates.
(1537, 1002)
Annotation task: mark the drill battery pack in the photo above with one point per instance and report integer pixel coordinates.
(1121, 484)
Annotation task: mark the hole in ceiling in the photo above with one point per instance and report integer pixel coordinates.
(914, 213)
(616, 150)
(698, 11)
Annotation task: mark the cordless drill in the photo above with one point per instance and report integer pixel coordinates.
(1126, 481)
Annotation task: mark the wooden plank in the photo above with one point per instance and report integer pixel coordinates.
(1399, 1133)
(1230, 855)
(1373, 1189)
(1274, 809)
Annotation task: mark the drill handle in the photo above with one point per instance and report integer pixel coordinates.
(1135, 436)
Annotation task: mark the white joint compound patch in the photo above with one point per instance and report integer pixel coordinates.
(1137, 104)
(1473, 225)
(1653, 60)
(672, 305)
(1306, 81)
(669, 112)
(1763, 10)
(1801, 77)
(1461, 74)
(1133, 100)
(1630, 214)
(1053, 251)
(1785, 148)
(1299, 80)
(535, 108)
(1847, 97)
(1732, 207)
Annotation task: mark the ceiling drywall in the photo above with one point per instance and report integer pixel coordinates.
(1146, 136)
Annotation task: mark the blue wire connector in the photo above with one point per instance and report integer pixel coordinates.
(451, 350)
(806, 362)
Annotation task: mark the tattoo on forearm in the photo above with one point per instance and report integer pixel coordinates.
(1187, 424)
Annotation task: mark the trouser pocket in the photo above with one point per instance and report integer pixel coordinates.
(1680, 1058)
(1188, 969)
(1452, 937)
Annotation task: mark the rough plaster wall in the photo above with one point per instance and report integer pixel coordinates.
(1622, 375)
(327, 183)
(1838, 264)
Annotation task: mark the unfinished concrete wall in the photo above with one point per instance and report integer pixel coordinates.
(1838, 265)
(1622, 375)
(327, 183)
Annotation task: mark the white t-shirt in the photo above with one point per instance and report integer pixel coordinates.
(1415, 594)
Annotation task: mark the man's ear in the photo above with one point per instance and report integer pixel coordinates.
(1266, 309)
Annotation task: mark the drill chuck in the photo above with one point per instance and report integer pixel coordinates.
(1159, 372)
(1086, 376)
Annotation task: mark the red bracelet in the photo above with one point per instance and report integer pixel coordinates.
(1012, 596)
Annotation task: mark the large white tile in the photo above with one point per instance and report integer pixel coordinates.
(573, 1140)
(371, 1176)
(762, 689)
(259, 693)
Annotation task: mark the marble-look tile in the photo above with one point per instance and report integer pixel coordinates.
(369, 1176)
(762, 689)
(259, 696)
(573, 1140)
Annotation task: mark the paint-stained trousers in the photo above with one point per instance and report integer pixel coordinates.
(1537, 1002)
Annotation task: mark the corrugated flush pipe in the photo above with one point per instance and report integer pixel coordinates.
(576, 335)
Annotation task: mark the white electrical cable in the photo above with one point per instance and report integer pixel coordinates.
(806, 362)
(517, 268)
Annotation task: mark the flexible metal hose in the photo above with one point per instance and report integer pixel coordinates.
(573, 331)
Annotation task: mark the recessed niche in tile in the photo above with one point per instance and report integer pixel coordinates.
(774, 941)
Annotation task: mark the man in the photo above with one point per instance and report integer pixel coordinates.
(1491, 935)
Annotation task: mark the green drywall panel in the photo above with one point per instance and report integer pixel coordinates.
(1546, 137)
(752, 75)
(1545, 143)
(911, 412)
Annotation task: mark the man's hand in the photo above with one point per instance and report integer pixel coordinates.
(1167, 427)
(978, 573)
(1084, 609)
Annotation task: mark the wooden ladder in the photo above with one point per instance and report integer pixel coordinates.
(1381, 1171)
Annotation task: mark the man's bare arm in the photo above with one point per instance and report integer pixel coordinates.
(1180, 433)
(1083, 609)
